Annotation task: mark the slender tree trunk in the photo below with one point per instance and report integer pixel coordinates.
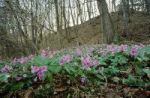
(147, 2)
(132, 5)
(57, 15)
(71, 12)
(114, 5)
(88, 8)
(58, 22)
(106, 22)
(125, 9)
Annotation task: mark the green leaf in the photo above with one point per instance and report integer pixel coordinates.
(54, 68)
(111, 70)
(147, 71)
(143, 53)
(48, 77)
(38, 60)
(118, 59)
(130, 80)
(4, 77)
(102, 60)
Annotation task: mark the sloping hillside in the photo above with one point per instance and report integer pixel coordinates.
(89, 31)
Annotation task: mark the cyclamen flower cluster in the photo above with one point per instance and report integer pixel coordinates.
(18, 78)
(78, 51)
(39, 71)
(124, 48)
(65, 59)
(44, 53)
(134, 49)
(84, 51)
(116, 48)
(23, 60)
(88, 62)
(6, 68)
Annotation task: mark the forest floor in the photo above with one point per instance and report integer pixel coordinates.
(119, 73)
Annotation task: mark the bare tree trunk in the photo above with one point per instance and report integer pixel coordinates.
(88, 8)
(71, 12)
(79, 11)
(125, 9)
(106, 22)
(114, 5)
(58, 22)
(132, 5)
(57, 15)
(147, 2)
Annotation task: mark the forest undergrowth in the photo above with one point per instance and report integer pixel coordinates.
(99, 71)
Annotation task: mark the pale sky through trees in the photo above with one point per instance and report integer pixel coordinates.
(44, 9)
(96, 12)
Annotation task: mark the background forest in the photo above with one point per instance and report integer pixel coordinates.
(27, 26)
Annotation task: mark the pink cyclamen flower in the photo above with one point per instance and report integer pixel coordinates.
(6, 68)
(42, 69)
(39, 71)
(78, 51)
(112, 48)
(123, 48)
(44, 53)
(23, 60)
(14, 61)
(65, 59)
(134, 51)
(95, 62)
(30, 56)
(86, 61)
(18, 78)
(34, 69)
(39, 76)
(142, 46)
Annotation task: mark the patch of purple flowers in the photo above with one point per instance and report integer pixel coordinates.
(115, 48)
(6, 68)
(111, 48)
(78, 51)
(88, 62)
(134, 51)
(18, 78)
(44, 53)
(123, 48)
(65, 59)
(39, 71)
(22, 60)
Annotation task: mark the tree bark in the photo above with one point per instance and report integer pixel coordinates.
(125, 9)
(106, 22)
(147, 3)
